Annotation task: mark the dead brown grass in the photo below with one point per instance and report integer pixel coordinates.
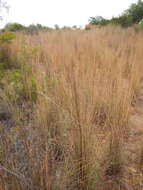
(71, 136)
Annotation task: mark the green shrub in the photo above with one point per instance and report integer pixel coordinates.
(12, 80)
(16, 77)
(141, 24)
(5, 50)
(13, 27)
(7, 37)
(2, 66)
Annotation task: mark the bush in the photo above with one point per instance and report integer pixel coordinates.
(7, 37)
(141, 24)
(13, 27)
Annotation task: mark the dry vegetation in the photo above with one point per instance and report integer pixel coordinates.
(66, 98)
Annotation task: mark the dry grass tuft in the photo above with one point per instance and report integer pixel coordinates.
(70, 104)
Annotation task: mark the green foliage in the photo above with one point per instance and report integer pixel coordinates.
(19, 81)
(57, 27)
(135, 11)
(141, 24)
(14, 78)
(16, 75)
(123, 21)
(131, 16)
(7, 37)
(34, 29)
(98, 20)
(13, 27)
(2, 66)
(16, 27)
(5, 51)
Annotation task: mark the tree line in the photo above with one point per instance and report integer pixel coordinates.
(133, 15)
(33, 28)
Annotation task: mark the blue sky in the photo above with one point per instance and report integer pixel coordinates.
(62, 12)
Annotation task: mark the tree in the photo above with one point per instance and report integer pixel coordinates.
(98, 20)
(34, 29)
(57, 27)
(133, 15)
(122, 20)
(13, 27)
(135, 11)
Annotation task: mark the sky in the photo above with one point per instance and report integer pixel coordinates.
(61, 12)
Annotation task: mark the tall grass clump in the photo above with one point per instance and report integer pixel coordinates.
(70, 117)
